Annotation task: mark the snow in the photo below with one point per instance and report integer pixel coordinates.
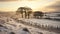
(44, 22)
(17, 27)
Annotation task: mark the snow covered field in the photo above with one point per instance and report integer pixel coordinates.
(8, 25)
(44, 22)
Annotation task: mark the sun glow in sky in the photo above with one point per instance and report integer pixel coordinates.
(41, 5)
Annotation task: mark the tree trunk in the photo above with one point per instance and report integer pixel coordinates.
(22, 15)
(25, 14)
(28, 16)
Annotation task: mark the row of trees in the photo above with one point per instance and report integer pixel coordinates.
(28, 11)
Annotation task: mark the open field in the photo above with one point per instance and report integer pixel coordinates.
(35, 26)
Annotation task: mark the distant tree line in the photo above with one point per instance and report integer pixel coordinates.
(38, 14)
(26, 12)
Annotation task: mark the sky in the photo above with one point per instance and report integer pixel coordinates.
(36, 5)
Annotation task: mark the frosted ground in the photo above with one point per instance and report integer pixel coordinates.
(11, 25)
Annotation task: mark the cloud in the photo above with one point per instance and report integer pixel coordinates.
(21, 0)
(17, 0)
(8, 0)
(55, 6)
